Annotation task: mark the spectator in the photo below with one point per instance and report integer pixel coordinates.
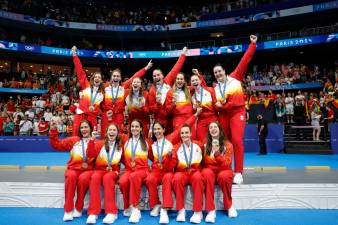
(48, 115)
(8, 127)
(262, 134)
(289, 101)
(43, 127)
(280, 113)
(2, 121)
(315, 118)
(26, 126)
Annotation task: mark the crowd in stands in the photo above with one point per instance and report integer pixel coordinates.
(27, 115)
(125, 12)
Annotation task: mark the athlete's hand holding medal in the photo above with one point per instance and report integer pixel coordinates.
(110, 115)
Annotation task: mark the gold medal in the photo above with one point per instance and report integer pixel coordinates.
(84, 165)
(109, 168)
(132, 164)
(160, 165)
(91, 108)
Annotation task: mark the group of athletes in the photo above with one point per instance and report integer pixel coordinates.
(190, 132)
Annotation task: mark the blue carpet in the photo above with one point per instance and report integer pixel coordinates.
(292, 161)
(43, 216)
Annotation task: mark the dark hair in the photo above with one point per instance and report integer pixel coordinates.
(186, 125)
(158, 69)
(101, 88)
(159, 123)
(142, 139)
(222, 138)
(89, 124)
(116, 70)
(218, 64)
(117, 140)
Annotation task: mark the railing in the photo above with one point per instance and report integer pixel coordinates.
(192, 45)
(319, 30)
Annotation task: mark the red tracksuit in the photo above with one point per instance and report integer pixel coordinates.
(162, 173)
(181, 111)
(87, 95)
(114, 100)
(105, 176)
(159, 109)
(208, 114)
(217, 168)
(138, 108)
(131, 180)
(76, 177)
(232, 115)
(185, 175)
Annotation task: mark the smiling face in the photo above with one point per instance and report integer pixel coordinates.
(185, 134)
(112, 132)
(219, 73)
(135, 128)
(180, 80)
(157, 76)
(136, 84)
(97, 78)
(195, 81)
(85, 130)
(158, 131)
(214, 130)
(116, 76)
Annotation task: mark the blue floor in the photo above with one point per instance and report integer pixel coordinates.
(292, 161)
(43, 216)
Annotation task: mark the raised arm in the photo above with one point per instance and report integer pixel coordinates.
(171, 160)
(171, 76)
(175, 136)
(242, 66)
(225, 159)
(94, 148)
(139, 74)
(80, 73)
(169, 103)
(60, 145)
(196, 72)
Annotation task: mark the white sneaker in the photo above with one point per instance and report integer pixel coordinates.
(109, 218)
(68, 216)
(232, 212)
(238, 179)
(156, 210)
(164, 218)
(211, 217)
(76, 213)
(196, 217)
(91, 219)
(127, 212)
(181, 216)
(135, 215)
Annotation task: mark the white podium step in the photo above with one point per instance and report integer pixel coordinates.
(247, 196)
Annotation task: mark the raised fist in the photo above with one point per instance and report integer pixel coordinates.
(185, 51)
(253, 39)
(74, 50)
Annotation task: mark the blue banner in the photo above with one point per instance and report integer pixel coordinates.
(274, 140)
(287, 86)
(242, 18)
(334, 137)
(325, 6)
(293, 42)
(23, 91)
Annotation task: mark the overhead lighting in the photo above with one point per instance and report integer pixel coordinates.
(217, 34)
